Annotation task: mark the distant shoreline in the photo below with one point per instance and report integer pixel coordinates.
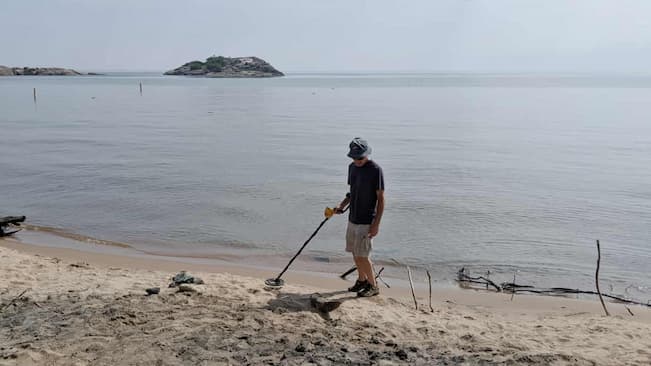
(39, 71)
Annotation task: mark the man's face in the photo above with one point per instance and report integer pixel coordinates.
(360, 162)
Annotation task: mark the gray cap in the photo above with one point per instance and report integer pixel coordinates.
(358, 148)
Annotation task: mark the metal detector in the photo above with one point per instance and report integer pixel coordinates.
(278, 282)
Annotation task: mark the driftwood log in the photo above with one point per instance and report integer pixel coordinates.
(9, 224)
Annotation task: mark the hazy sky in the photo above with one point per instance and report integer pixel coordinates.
(332, 35)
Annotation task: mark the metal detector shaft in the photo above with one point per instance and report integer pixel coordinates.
(300, 250)
(304, 245)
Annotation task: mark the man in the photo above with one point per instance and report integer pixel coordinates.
(366, 199)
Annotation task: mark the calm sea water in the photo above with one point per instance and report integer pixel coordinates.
(508, 173)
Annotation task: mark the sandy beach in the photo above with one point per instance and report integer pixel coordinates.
(81, 308)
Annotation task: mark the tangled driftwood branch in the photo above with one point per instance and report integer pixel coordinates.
(463, 277)
(13, 300)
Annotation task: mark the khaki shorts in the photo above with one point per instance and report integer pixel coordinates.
(357, 240)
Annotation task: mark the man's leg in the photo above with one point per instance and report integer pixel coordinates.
(361, 274)
(352, 238)
(365, 267)
(361, 282)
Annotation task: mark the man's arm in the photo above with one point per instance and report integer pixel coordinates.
(343, 204)
(375, 226)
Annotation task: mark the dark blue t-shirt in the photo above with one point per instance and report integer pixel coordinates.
(364, 183)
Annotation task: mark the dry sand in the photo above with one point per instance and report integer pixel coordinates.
(90, 309)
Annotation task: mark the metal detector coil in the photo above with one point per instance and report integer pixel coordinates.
(274, 282)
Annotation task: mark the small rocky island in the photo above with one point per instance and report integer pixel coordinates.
(38, 71)
(228, 67)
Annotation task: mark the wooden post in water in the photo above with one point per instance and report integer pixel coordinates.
(140, 88)
(34, 95)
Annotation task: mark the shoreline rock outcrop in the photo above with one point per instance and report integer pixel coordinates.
(227, 67)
